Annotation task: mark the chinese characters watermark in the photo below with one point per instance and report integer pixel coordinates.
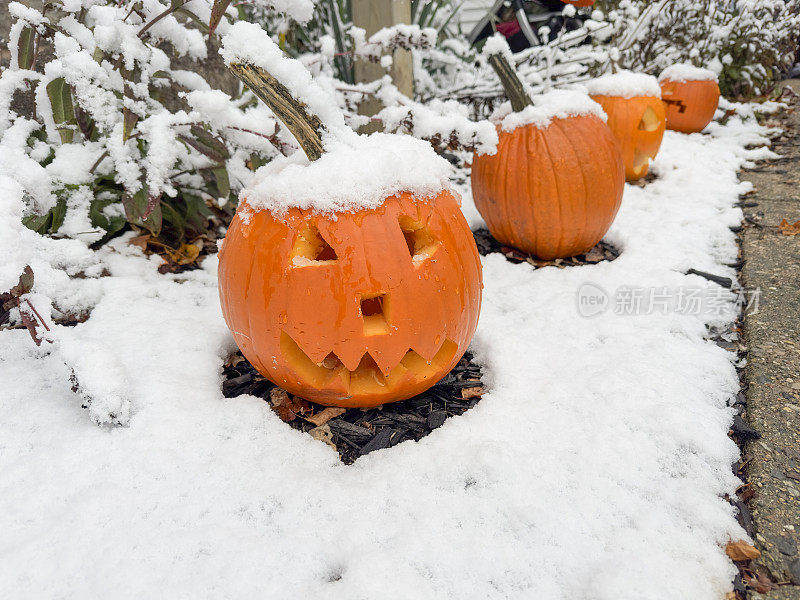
(594, 300)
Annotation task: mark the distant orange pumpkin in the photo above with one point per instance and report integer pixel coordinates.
(353, 309)
(638, 123)
(554, 191)
(690, 105)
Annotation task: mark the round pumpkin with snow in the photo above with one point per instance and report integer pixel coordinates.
(352, 308)
(691, 97)
(349, 276)
(636, 117)
(555, 183)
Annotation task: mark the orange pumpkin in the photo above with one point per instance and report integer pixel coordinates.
(638, 123)
(552, 192)
(690, 105)
(353, 309)
(352, 304)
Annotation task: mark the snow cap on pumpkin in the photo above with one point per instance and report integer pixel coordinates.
(624, 84)
(356, 172)
(558, 104)
(682, 72)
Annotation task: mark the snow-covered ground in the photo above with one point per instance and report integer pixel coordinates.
(594, 467)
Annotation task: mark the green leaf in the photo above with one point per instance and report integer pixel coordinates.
(194, 18)
(217, 11)
(26, 47)
(98, 219)
(143, 210)
(60, 97)
(197, 212)
(39, 223)
(129, 119)
(223, 182)
(59, 211)
(172, 216)
(207, 144)
(344, 66)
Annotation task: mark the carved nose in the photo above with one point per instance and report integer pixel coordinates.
(375, 312)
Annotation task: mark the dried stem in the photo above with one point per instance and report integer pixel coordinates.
(304, 126)
(511, 82)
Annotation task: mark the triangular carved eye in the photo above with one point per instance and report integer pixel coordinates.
(420, 241)
(311, 248)
(650, 120)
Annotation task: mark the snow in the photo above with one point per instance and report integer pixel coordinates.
(625, 85)
(356, 173)
(685, 72)
(558, 104)
(444, 120)
(594, 467)
(496, 44)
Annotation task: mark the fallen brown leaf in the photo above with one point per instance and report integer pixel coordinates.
(140, 241)
(186, 254)
(233, 360)
(741, 550)
(747, 494)
(472, 392)
(323, 434)
(285, 406)
(325, 415)
(759, 581)
(787, 229)
(595, 255)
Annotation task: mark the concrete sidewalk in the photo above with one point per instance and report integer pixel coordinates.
(772, 336)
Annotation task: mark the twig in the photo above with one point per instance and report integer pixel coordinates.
(38, 316)
(166, 13)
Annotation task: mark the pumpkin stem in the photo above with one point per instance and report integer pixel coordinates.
(304, 126)
(510, 81)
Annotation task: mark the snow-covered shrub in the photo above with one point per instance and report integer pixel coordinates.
(749, 43)
(109, 121)
(103, 104)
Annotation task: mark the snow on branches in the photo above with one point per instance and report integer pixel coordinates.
(748, 43)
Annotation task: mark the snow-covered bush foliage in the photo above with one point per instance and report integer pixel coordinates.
(113, 127)
(106, 119)
(749, 43)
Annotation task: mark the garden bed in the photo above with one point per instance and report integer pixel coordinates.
(355, 432)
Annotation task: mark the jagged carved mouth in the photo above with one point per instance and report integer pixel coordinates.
(677, 103)
(640, 162)
(367, 377)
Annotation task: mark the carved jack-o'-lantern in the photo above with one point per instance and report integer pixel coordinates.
(358, 304)
(555, 184)
(638, 123)
(359, 310)
(635, 115)
(691, 96)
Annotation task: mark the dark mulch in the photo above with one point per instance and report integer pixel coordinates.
(356, 432)
(487, 244)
